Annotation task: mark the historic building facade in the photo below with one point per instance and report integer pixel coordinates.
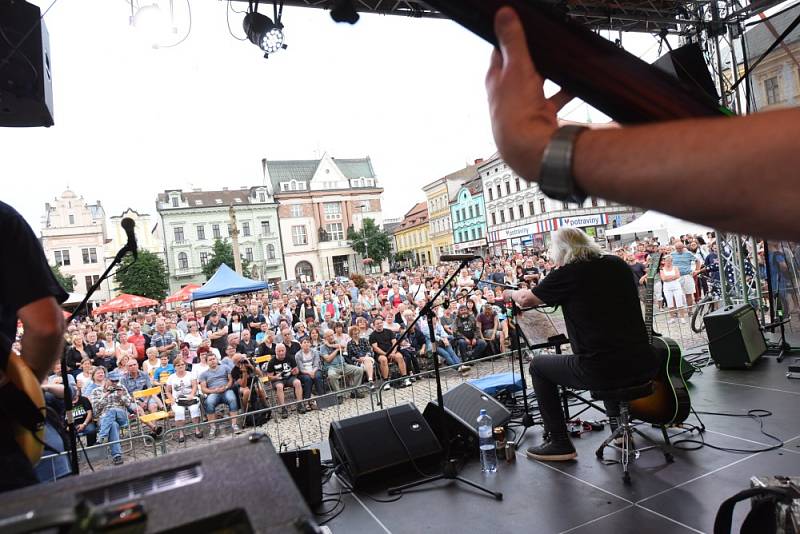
(192, 220)
(319, 200)
(468, 214)
(440, 193)
(74, 238)
(412, 237)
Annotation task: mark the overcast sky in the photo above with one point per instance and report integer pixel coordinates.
(131, 121)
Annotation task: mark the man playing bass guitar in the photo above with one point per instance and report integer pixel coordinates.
(605, 327)
(28, 292)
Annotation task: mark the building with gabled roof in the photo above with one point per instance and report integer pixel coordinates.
(411, 236)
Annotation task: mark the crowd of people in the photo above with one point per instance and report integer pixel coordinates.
(320, 337)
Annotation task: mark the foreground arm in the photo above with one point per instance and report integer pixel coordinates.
(752, 175)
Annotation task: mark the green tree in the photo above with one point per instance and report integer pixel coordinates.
(222, 252)
(147, 277)
(370, 241)
(67, 281)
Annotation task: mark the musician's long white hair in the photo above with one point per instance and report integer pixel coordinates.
(572, 244)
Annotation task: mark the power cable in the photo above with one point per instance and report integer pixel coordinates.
(188, 30)
(228, 21)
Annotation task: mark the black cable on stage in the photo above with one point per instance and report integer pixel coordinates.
(755, 414)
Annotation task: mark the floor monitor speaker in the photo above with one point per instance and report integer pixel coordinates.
(735, 340)
(462, 404)
(378, 444)
(222, 487)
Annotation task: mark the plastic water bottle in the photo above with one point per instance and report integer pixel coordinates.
(486, 442)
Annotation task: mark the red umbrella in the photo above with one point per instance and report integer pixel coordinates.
(124, 302)
(183, 294)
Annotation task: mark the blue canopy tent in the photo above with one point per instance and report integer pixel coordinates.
(226, 282)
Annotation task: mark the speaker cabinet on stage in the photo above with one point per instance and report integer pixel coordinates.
(379, 444)
(689, 66)
(462, 404)
(735, 340)
(26, 93)
(235, 485)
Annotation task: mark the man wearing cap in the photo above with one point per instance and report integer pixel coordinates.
(134, 380)
(110, 404)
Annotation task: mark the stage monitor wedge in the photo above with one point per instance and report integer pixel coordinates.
(689, 66)
(26, 90)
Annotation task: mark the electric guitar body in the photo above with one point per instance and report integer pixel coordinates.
(29, 436)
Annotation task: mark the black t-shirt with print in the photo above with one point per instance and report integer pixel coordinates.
(80, 409)
(282, 367)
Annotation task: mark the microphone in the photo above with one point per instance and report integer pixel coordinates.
(127, 225)
(458, 257)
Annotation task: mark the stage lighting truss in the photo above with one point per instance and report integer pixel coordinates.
(262, 31)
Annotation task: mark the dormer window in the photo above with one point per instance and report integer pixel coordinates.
(284, 186)
(175, 201)
(262, 196)
(370, 182)
(218, 200)
(238, 200)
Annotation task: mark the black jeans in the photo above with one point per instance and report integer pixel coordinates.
(550, 371)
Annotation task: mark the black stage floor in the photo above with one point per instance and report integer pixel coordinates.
(587, 496)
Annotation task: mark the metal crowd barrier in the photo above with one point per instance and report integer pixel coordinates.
(84, 452)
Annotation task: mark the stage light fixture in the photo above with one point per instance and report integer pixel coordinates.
(264, 33)
(344, 11)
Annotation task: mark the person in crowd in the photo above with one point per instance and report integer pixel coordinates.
(217, 331)
(674, 291)
(164, 369)
(247, 345)
(151, 363)
(110, 405)
(216, 384)
(244, 375)
(83, 417)
(92, 344)
(194, 338)
(254, 319)
(139, 339)
(382, 341)
(359, 353)
(411, 345)
(489, 329)
(75, 354)
(201, 365)
(183, 393)
(134, 380)
(84, 378)
(267, 346)
(310, 371)
(125, 347)
(334, 364)
(688, 264)
(98, 380)
(444, 347)
(164, 340)
(236, 325)
(283, 373)
(470, 345)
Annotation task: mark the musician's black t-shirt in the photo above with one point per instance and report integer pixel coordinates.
(602, 314)
(25, 275)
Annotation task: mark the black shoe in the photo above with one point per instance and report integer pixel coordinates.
(117, 460)
(558, 451)
(301, 408)
(284, 413)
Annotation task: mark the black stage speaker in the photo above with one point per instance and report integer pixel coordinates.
(231, 486)
(735, 340)
(688, 65)
(379, 444)
(462, 404)
(26, 92)
(305, 467)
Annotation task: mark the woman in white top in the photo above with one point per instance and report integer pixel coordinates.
(183, 386)
(673, 292)
(236, 325)
(368, 299)
(194, 338)
(84, 378)
(124, 348)
(109, 343)
(152, 362)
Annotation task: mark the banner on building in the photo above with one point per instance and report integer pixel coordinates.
(580, 221)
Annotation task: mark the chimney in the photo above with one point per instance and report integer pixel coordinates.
(478, 161)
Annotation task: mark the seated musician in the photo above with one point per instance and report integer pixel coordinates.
(605, 327)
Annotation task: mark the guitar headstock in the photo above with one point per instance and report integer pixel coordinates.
(653, 267)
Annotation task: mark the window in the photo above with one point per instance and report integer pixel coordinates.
(530, 208)
(542, 206)
(215, 231)
(246, 229)
(491, 196)
(183, 261)
(204, 258)
(71, 219)
(502, 216)
(511, 213)
(89, 255)
(463, 214)
(201, 232)
(508, 188)
(477, 210)
(498, 190)
(772, 89)
(248, 254)
(333, 211)
(471, 215)
(90, 281)
(455, 212)
(62, 257)
(296, 210)
(522, 211)
(516, 184)
(179, 234)
(230, 230)
(480, 231)
(270, 252)
(262, 196)
(335, 231)
(174, 202)
(299, 236)
(265, 228)
(494, 218)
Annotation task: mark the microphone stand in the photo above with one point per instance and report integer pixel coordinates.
(449, 465)
(72, 434)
